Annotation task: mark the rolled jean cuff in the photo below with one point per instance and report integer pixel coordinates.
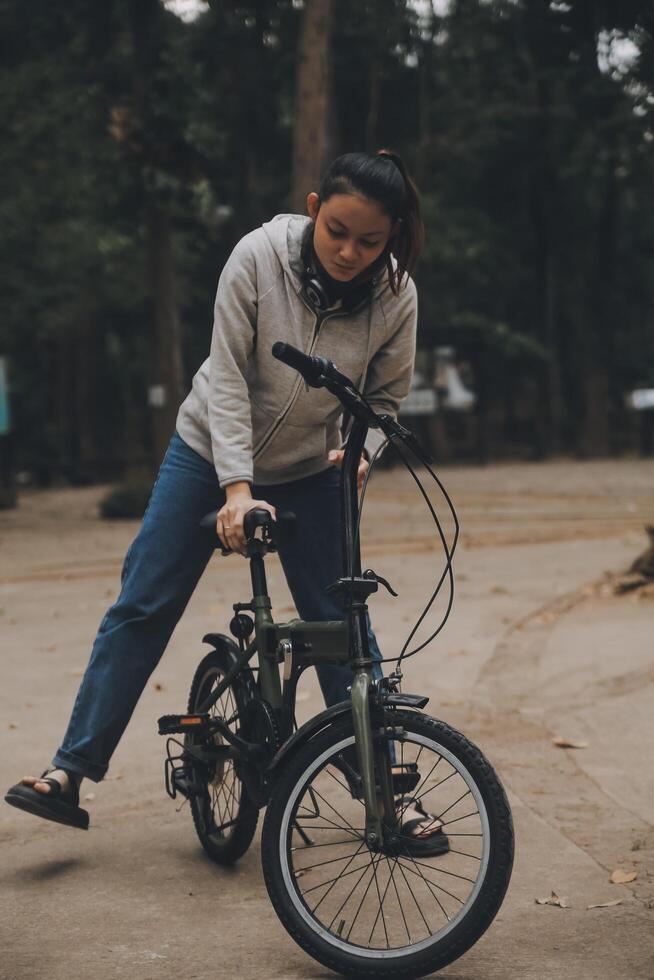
(66, 760)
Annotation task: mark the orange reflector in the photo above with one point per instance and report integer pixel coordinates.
(191, 720)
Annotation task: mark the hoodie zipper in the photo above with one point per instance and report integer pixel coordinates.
(271, 432)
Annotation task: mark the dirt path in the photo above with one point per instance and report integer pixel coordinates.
(532, 650)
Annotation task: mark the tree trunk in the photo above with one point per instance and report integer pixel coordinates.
(313, 91)
(374, 101)
(167, 373)
(167, 376)
(595, 428)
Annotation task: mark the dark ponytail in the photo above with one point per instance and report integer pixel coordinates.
(383, 178)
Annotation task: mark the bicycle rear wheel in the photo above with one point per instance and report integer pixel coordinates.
(224, 816)
(402, 912)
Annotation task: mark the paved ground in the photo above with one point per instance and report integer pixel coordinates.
(537, 646)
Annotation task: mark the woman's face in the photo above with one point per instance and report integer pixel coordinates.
(350, 233)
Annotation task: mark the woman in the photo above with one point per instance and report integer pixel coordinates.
(250, 434)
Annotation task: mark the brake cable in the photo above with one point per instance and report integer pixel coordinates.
(448, 572)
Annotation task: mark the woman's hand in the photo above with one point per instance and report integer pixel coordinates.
(336, 457)
(232, 514)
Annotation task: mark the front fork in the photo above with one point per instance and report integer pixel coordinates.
(374, 762)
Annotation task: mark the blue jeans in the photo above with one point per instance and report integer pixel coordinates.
(161, 569)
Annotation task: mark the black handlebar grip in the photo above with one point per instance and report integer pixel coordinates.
(210, 521)
(309, 367)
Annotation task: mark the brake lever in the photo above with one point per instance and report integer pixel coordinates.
(374, 577)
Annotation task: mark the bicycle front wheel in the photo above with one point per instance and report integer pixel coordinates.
(400, 912)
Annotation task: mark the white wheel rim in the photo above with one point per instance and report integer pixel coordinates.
(290, 882)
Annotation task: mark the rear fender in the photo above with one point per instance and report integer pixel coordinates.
(225, 645)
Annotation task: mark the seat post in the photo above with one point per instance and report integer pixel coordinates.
(269, 681)
(258, 575)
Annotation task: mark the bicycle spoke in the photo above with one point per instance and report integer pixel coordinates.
(452, 805)
(336, 826)
(381, 909)
(442, 871)
(444, 780)
(344, 785)
(339, 877)
(434, 895)
(421, 783)
(331, 826)
(223, 790)
(391, 872)
(419, 874)
(320, 796)
(418, 906)
(464, 817)
(356, 915)
(352, 890)
(320, 864)
(335, 880)
(329, 843)
(464, 854)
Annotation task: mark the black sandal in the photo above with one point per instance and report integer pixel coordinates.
(59, 805)
(425, 845)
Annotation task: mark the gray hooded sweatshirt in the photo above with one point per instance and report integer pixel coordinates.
(252, 416)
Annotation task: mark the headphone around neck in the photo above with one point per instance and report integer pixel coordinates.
(316, 292)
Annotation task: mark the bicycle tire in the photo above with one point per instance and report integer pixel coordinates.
(284, 874)
(223, 848)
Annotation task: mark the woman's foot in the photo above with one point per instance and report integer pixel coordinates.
(422, 832)
(62, 777)
(54, 796)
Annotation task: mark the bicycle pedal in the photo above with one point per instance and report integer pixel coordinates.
(403, 782)
(183, 724)
(407, 780)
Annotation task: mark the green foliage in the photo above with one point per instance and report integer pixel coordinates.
(534, 167)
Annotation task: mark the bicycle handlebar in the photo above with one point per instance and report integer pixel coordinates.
(316, 371)
(319, 372)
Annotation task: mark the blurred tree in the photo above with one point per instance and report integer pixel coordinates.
(312, 141)
(137, 148)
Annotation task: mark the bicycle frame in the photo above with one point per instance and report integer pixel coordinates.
(299, 644)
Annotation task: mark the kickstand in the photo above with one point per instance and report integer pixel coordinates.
(305, 837)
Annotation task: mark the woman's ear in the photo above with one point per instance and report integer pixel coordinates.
(313, 205)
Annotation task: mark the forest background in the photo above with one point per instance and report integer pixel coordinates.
(139, 145)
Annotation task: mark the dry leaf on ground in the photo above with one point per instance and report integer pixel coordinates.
(620, 877)
(554, 899)
(158, 686)
(605, 905)
(568, 743)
